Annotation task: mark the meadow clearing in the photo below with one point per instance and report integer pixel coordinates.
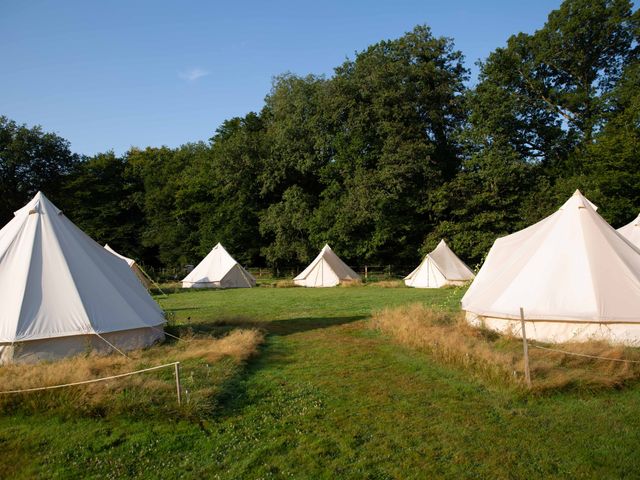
(327, 391)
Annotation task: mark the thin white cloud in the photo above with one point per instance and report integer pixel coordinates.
(193, 74)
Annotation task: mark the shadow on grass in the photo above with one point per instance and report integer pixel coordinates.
(276, 327)
(238, 392)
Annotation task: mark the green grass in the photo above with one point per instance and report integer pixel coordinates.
(329, 398)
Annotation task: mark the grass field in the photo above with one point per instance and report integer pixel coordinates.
(328, 397)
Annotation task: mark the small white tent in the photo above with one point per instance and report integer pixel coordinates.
(439, 268)
(220, 270)
(631, 231)
(574, 276)
(62, 293)
(132, 265)
(326, 270)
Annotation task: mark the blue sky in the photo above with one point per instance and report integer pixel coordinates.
(115, 74)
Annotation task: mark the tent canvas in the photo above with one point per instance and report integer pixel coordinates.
(326, 270)
(574, 276)
(62, 293)
(439, 268)
(631, 231)
(132, 265)
(218, 270)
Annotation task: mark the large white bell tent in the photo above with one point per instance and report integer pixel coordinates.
(574, 276)
(218, 270)
(61, 293)
(326, 270)
(631, 231)
(439, 268)
(133, 265)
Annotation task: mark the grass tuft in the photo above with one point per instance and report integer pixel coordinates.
(285, 283)
(448, 338)
(388, 284)
(206, 364)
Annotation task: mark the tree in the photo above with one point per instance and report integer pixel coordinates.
(296, 152)
(483, 202)
(287, 223)
(394, 115)
(171, 227)
(225, 189)
(31, 161)
(101, 199)
(537, 118)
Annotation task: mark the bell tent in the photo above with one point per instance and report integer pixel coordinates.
(439, 268)
(62, 293)
(573, 275)
(144, 279)
(218, 270)
(631, 231)
(326, 270)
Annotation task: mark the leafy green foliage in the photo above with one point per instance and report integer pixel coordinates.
(381, 159)
(100, 196)
(30, 161)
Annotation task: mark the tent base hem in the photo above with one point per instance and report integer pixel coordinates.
(212, 285)
(56, 348)
(452, 283)
(304, 283)
(561, 331)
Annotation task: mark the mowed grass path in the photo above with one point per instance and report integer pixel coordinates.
(329, 398)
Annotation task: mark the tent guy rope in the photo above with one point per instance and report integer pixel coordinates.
(586, 355)
(95, 380)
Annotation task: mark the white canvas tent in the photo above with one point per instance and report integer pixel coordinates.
(219, 270)
(61, 293)
(439, 268)
(144, 279)
(326, 270)
(575, 277)
(631, 231)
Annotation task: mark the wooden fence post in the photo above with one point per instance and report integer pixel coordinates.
(525, 346)
(178, 388)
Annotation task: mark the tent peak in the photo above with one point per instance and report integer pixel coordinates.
(578, 201)
(38, 204)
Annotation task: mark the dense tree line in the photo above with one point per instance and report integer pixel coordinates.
(381, 160)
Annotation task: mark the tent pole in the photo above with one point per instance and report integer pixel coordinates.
(178, 387)
(525, 346)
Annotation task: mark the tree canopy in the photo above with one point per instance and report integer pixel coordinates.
(382, 159)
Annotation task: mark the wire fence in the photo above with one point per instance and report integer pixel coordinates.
(175, 365)
(596, 357)
(526, 345)
(368, 272)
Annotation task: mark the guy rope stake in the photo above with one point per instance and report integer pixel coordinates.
(178, 388)
(527, 373)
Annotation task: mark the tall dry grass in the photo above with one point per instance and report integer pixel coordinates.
(448, 338)
(206, 364)
(388, 284)
(285, 283)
